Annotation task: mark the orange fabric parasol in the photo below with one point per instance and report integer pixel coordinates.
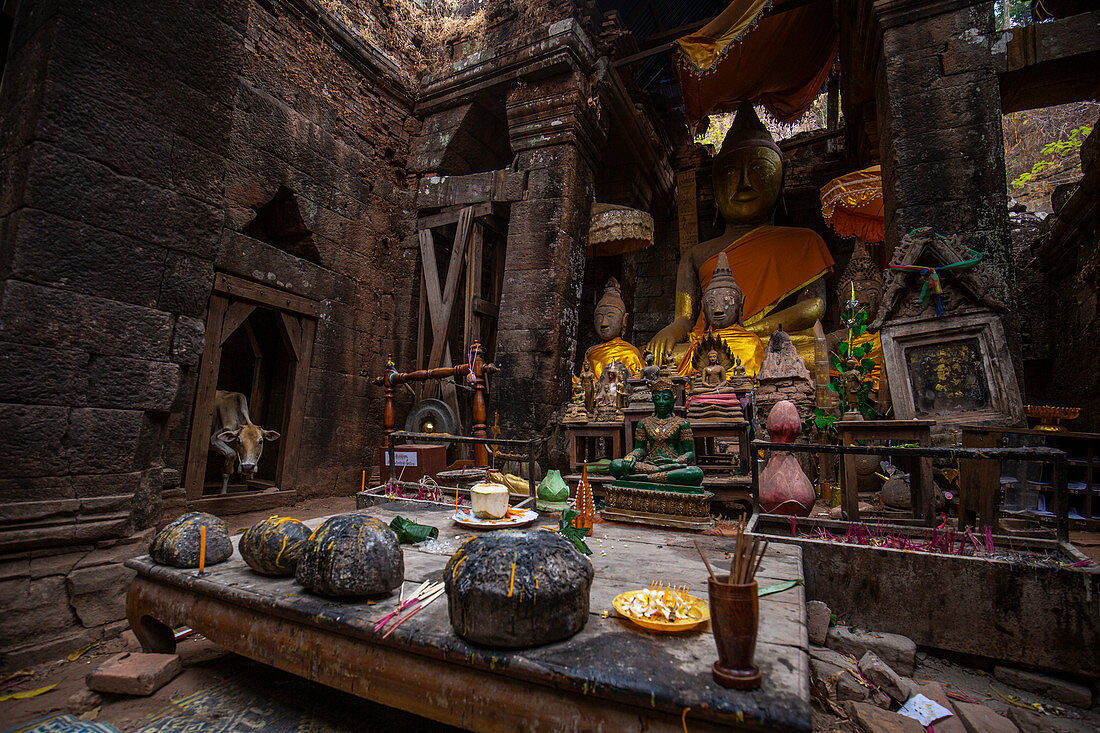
(852, 204)
(781, 61)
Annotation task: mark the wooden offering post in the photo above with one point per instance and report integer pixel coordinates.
(476, 368)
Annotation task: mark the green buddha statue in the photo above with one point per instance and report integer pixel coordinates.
(664, 451)
(770, 263)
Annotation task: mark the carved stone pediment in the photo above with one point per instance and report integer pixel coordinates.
(967, 290)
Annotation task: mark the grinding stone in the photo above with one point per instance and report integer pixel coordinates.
(273, 546)
(544, 599)
(351, 555)
(178, 543)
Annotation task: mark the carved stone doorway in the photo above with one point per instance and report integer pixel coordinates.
(245, 318)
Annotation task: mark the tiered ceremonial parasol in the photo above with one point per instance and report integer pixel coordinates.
(852, 204)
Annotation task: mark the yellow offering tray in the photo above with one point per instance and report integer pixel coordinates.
(698, 614)
(1050, 416)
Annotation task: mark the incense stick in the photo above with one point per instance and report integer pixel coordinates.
(705, 560)
(759, 560)
(412, 613)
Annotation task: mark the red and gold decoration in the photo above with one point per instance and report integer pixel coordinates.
(852, 204)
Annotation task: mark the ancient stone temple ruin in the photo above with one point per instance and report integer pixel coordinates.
(409, 259)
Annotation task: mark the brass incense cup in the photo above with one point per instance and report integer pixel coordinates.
(735, 617)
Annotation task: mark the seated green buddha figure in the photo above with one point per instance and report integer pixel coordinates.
(664, 451)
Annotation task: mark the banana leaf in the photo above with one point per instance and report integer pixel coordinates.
(778, 587)
(409, 531)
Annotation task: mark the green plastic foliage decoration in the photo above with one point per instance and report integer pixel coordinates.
(571, 533)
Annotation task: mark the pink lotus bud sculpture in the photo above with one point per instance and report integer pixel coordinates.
(784, 486)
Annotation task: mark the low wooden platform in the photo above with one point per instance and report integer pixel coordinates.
(610, 676)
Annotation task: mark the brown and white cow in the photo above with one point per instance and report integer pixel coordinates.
(235, 437)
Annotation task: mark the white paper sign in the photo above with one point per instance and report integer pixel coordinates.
(924, 710)
(400, 458)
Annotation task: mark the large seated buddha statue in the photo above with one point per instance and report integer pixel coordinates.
(721, 320)
(610, 321)
(770, 263)
(664, 449)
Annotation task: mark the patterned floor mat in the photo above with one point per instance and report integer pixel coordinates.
(63, 724)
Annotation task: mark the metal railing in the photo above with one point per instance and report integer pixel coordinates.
(1039, 455)
(531, 445)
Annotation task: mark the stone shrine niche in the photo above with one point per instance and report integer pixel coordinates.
(955, 366)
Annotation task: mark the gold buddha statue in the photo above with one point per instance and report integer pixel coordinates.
(664, 449)
(713, 376)
(721, 320)
(771, 263)
(610, 321)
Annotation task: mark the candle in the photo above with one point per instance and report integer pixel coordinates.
(852, 318)
(363, 487)
(202, 548)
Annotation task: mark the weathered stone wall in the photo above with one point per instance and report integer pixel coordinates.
(939, 113)
(116, 198)
(554, 134)
(1069, 256)
(136, 144)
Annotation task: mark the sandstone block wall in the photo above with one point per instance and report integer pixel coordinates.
(137, 142)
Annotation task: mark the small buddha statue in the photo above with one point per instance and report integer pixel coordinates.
(713, 376)
(611, 393)
(664, 450)
(711, 398)
(610, 322)
(853, 383)
(640, 393)
(770, 262)
(738, 380)
(722, 302)
(650, 371)
(588, 386)
(575, 412)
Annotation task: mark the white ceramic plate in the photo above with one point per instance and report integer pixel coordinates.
(466, 517)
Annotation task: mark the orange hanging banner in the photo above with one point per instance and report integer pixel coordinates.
(778, 58)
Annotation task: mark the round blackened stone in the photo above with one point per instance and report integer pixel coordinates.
(351, 555)
(516, 588)
(178, 543)
(273, 546)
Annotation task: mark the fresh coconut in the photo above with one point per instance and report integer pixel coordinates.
(489, 500)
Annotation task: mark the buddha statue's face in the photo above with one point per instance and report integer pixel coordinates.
(609, 322)
(663, 402)
(747, 184)
(721, 307)
(712, 357)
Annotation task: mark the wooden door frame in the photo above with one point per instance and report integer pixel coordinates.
(231, 302)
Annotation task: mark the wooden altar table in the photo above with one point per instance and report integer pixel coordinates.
(610, 676)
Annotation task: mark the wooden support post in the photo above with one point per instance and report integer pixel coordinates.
(296, 406)
(203, 416)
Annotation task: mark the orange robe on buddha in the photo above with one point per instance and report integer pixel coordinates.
(769, 263)
(600, 355)
(741, 343)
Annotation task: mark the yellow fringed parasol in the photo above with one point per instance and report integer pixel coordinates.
(616, 230)
(852, 204)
